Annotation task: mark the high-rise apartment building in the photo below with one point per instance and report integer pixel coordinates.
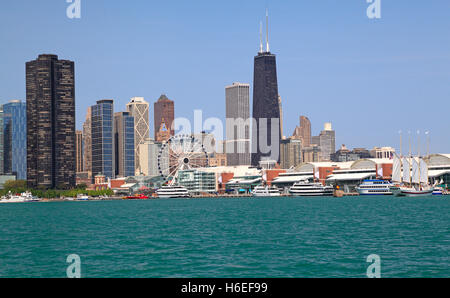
(327, 142)
(15, 141)
(79, 150)
(140, 110)
(124, 130)
(102, 138)
(290, 153)
(303, 132)
(311, 154)
(150, 151)
(266, 111)
(50, 88)
(238, 124)
(2, 158)
(87, 144)
(164, 110)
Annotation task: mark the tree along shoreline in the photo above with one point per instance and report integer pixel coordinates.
(20, 186)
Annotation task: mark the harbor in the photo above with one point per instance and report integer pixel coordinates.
(235, 237)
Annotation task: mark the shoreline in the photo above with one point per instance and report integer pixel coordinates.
(205, 197)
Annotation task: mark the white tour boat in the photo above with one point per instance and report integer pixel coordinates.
(266, 191)
(307, 189)
(173, 192)
(375, 188)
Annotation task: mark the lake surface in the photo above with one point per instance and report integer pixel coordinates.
(277, 237)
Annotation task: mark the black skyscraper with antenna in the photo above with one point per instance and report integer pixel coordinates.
(265, 104)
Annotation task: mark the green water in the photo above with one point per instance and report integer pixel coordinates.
(279, 237)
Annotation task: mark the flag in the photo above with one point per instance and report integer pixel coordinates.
(317, 175)
(380, 172)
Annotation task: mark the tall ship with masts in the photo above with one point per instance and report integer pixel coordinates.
(416, 171)
(410, 174)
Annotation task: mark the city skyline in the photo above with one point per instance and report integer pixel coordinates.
(406, 75)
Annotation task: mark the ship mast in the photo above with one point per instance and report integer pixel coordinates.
(410, 158)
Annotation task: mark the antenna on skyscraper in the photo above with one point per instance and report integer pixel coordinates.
(267, 30)
(261, 48)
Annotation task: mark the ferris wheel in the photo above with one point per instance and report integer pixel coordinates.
(180, 153)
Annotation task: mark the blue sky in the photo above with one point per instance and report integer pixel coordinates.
(370, 78)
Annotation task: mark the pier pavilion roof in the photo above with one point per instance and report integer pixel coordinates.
(436, 160)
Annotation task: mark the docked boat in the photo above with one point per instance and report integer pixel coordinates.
(173, 192)
(417, 171)
(266, 191)
(137, 197)
(375, 188)
(28, 196)
(82, 198)
(25, 197)
(438, 191)
(417, 192)
(307, 189)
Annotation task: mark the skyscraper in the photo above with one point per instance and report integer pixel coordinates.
(79, 150)
(327, 142)
(6, 143)
(102, 138)
(16, 141)
(2, 158)
(124, 129)
(266, 110)
(87, 144)
(290, 153)
(140, 110)
(303, 132)
(150, 151)
(238, 126)
(50, 86)
(164, 112)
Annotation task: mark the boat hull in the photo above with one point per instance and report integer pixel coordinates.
(366, 192)
(265, 195)
(311, 194)
(168, 195)
(416, 193)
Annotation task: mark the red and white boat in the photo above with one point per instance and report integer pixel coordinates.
(412, 192)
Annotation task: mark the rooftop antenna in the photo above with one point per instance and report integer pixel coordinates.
(267, 31)
(261, 48)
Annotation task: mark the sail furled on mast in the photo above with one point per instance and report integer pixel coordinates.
(397, 169)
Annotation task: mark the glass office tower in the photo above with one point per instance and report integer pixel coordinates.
(15, 129)
(102, 138)
(124, 144)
